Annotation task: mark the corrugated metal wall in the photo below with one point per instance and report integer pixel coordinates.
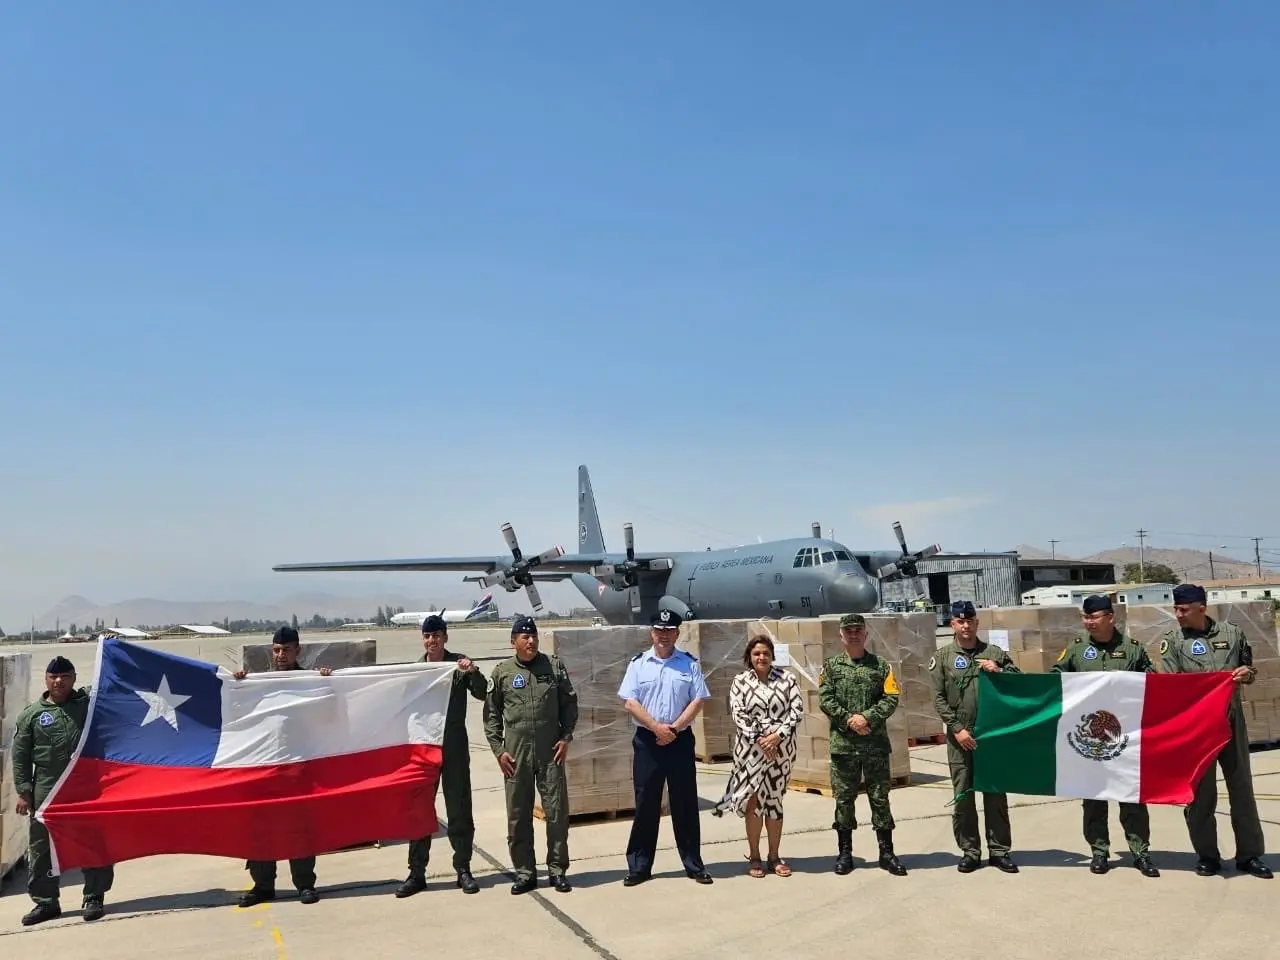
(989, 580)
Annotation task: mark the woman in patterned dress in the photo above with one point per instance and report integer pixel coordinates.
(767, 708)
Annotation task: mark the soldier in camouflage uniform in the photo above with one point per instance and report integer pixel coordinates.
(953, 673)
(1103, 647)
(45, 736)
(1201, 644)
(858, 692)
(530, 712)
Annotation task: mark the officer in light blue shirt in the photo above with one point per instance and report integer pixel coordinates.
(663, 690)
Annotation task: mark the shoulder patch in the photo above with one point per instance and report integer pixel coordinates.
(489, 687)
(1063, 655)
(933, 663)
(1164, 645)
(891, 687)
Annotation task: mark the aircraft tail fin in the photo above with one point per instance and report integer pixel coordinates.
(590, 536)
(482, 606)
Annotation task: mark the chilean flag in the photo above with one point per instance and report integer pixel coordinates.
(180, 757)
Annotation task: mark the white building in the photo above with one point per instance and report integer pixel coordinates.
(1236, 591)
(1126, 594)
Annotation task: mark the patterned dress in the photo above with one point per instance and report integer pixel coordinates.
(760, 708)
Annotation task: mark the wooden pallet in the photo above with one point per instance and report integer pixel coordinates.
(822, 790)
(713, 757)
(595, 816)
(927, 741)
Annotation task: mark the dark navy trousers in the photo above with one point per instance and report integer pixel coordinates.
(654, 767)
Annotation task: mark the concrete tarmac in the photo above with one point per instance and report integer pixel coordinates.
(1055, 908)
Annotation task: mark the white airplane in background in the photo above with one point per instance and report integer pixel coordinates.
(483, 606)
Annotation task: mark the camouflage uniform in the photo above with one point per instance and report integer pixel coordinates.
(953, 674)
(1220, 646)
(1121, 652)
(45, 736)
(528, 708)
(868, 687)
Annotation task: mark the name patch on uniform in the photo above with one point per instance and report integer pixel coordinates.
(1091, 653)
(1117, 654)
(1220, 644)
(1198, 649)
(517, 682)
(961, 663)
(45, 719)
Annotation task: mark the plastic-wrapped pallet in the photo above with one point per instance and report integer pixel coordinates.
(15, 694)
(598, 768)
(1034, 635)
(334, 654)
(719, 646)
(807, 644)
(1149, 622)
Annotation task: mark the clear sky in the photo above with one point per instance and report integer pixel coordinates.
(309, 281)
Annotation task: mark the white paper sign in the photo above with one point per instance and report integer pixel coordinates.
(999, 638)
(781, 655)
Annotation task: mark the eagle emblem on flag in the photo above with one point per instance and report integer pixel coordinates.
(1098, 736)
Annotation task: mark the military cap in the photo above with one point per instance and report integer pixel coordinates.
(1189, 593)
(666, 620)
(60, 665)
(286, 635)
(524, 624)
(433, 623)
(963, 610)
(1096, 604)
(853, 620)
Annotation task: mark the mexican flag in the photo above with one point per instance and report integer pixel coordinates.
(1121, 736)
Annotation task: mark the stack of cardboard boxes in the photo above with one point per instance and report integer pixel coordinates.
(1037, 635)
(598, 768)
(15, 694)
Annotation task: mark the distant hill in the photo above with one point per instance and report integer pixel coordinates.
(129, 613)
(1190, 565)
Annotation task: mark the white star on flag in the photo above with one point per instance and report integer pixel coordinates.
(163, 704)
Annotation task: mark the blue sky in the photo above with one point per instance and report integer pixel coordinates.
(324, 281)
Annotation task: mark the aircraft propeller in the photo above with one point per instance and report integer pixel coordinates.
(519, 573)
(905, 566)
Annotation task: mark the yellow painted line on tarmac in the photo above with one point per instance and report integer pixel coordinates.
(275, 929)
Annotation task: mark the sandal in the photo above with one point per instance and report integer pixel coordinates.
(779, 867)
(756, 869)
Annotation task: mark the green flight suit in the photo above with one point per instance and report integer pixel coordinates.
(953, 674)
(866, 686)
(1220, 646)
(44, 738)
(455, 774)
(528, 708)
(1121, 652)
(302, 870)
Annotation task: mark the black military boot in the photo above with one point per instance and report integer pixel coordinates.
(844, 858)
(93, 909)
(888, 860)
(1144, 866)
(414, 883)
(1255, 867)
(255, 896)
(467, 882)
(1099, 864)
(42, 912)
(1004, 863)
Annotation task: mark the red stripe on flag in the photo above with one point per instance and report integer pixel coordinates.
(108, 812)
(1184, 728)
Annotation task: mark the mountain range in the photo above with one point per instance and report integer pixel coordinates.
(1192, 566)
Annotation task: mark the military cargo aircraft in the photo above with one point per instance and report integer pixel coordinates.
(801, 577)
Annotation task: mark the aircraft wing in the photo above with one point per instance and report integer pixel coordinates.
(563, 565)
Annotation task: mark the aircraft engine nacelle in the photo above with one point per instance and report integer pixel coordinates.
(676, 606)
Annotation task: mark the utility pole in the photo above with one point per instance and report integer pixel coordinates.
(1257, 555)
(1142, 556)
(1211, 576)
(1053, 549)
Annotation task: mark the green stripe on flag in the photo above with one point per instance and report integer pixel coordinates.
(1017, 732)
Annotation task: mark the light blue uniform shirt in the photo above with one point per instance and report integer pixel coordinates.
(664, 687)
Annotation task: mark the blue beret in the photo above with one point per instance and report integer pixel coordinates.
(524, 624)
(963, 610)
(1097, 604)
(1189, 593)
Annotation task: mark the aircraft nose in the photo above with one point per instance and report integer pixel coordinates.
(852, 593)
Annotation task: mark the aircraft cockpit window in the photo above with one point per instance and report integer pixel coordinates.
(843, 555)
(828, 556)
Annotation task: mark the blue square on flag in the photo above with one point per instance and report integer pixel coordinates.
(155, 708)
